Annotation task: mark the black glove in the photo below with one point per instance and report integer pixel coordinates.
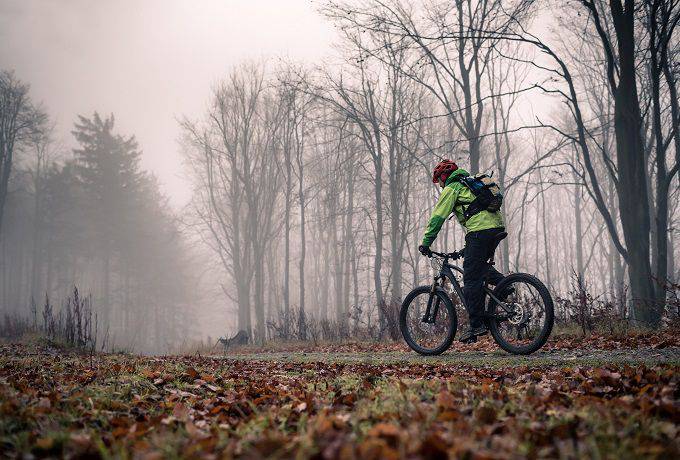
(425, 250)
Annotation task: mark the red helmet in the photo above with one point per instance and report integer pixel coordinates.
(445, 167)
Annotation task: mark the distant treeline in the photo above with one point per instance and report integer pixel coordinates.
(93, 218)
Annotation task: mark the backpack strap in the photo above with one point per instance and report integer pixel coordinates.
(461, 180)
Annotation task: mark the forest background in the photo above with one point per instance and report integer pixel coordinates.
(306, 185)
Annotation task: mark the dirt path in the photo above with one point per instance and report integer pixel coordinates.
(495, 359)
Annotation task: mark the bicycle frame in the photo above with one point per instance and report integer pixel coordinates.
(446, 271)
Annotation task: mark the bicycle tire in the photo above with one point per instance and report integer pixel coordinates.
(549, 313)
(403, 315)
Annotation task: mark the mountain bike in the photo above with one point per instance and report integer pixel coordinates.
(519, 311)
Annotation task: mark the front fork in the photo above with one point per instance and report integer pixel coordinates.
(433, 301)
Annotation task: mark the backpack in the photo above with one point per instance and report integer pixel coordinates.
(488, 196)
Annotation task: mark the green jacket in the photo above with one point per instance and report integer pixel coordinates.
(455, 197)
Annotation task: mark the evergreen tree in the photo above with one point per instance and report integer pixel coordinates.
(110, 177)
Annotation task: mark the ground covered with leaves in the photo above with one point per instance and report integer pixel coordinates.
(341, 404)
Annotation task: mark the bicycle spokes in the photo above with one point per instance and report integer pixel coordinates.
(522, 314)
(428, 322)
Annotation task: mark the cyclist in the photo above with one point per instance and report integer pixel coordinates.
(480, 240)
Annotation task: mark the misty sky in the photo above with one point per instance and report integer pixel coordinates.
(148, 61)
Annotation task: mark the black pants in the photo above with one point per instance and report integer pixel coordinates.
(479, 246)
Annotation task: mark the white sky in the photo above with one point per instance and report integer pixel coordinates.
(148, 61)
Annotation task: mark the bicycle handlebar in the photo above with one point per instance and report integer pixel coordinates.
(450, 255)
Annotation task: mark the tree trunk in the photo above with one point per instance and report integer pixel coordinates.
(106, 303)
(395, 237)
(303, 248)
(286, 255)
(243, 300)
(671, 258)
(37, 243)
(675, 106)
(658, 61)
(349, 243)
(272, 286)
(259, 294)
(472, 120)
(632, 192)
(579, 232)
(355, 283)
(377, 260)
(325, 285)
(546, 244)
(338, 257)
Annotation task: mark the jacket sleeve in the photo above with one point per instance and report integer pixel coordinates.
(442, 210)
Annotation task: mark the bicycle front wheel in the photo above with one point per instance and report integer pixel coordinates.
(523, 321)
(428, 320)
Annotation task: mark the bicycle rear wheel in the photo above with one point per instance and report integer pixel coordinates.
(524, 321)
(428, 332)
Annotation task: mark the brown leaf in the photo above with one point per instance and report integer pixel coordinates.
(387, 431)
(433, 447)
(180, 412)
(485, 414)
(445, 400)
(563, 430)
(208, 378)
(269, 445)
(193, 431)
(149, 374)
(377, 449)
(119, 432)
(448, 415)
(45, 443)
(120, 421)
(349, 399)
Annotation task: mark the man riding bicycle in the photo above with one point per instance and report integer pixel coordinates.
(481, 229)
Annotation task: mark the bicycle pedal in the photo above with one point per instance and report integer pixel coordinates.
(472, 339)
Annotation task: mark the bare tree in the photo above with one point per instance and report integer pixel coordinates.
(438, 38)
(41, 145)
(361, 104)
(661, 19)
(235, 164)
(298, 105)
(20, 120)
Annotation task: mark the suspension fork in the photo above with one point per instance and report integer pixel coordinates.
(431, 311)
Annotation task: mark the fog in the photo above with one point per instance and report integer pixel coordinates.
(202, 169)
(148, 62)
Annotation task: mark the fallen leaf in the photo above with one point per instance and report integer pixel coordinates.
(180, 412)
